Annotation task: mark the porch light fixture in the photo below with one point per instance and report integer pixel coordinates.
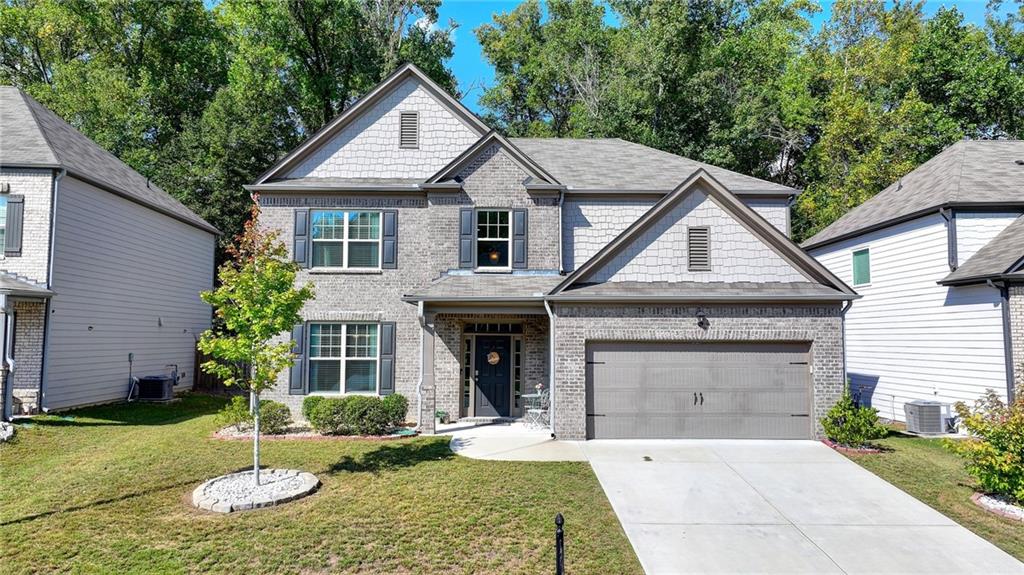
(702, 320)
(494, 256)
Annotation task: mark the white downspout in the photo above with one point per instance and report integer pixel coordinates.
(8, 365)
(551, 366)
(419, 384)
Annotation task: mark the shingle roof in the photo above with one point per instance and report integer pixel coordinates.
(967, 173)
(996, 258)
(615, 164)
(704, 291)
(489, 287)
(33, 136)
(11, 284)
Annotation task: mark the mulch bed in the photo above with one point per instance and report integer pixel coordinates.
(304, 435)
(850, 449)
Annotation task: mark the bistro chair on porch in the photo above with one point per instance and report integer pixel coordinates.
(537, 409)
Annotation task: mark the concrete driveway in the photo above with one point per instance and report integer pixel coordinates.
(776, 507)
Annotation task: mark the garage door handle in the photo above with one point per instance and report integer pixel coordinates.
(798, 363)
(799, 415)
(595, 363)
(695, 398)
(595, 415)
(702, 398)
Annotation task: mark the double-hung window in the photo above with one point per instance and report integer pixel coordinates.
(343, 358)
(493, 239)
(344, 239)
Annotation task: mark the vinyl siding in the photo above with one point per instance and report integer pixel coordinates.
(910, 338)
(975, 229)
(131, 275)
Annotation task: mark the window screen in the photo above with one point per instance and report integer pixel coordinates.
(861, 267)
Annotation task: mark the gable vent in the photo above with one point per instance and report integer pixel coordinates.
(698, 249)
(409, 131)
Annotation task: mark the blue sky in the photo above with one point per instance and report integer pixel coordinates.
(473, 71)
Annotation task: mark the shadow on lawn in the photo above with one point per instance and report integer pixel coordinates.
(187, 407)
(392, 455)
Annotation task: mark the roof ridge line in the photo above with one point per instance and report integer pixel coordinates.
(39, 127)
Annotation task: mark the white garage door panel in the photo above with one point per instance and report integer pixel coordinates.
(698, 390)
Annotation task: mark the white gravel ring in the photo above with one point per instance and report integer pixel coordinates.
(999, 506)
(238, 492)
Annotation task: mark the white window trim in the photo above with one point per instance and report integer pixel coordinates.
(343, 359)
(853, 273)
(346, 240)
(476, 240)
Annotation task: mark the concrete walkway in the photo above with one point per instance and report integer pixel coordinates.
(755, 507)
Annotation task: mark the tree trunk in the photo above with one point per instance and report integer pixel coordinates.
(255, 397)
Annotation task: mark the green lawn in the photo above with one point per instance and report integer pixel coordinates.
(931, 473)
(109, 491)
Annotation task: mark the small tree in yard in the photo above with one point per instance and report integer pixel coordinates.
(257, 300)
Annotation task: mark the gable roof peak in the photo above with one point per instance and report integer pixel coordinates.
(366, 102)
(735, 207)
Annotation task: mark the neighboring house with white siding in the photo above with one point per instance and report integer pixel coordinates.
(935, 257)
(98, 264)
(650, 295)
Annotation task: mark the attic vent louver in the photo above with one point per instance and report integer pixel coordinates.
(698, 249)
(409, 130)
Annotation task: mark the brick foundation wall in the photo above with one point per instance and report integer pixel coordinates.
(575, 324)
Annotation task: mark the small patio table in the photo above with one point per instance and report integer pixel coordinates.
(534, 402)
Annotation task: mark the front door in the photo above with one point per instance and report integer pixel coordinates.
(493, 375)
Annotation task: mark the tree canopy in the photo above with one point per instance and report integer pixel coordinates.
(203, 99)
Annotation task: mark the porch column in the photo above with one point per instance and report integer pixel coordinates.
(428, 395)
(6, 366)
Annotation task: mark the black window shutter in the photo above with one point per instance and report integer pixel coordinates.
(467, 237)
(390, 239)
(295, 385)
(387, 358)
(15, 223)
(300, 252)
(519, 224)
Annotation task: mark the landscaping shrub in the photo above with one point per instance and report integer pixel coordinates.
(275, 417)
(995, 450)
(395, 406)
(236, 414)
(354, 414)
(852, 425)
(365, 415)
(325, 414)
(309, 404)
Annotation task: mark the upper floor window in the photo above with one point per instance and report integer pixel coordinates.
(493, 239)
(348, 240)
(861, 267)
(409, 130)
(343, 358)
(3, 222)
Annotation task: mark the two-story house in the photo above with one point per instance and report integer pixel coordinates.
(100, 270)
(651, 295)
(936, 257)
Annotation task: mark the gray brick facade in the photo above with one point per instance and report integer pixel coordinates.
(28, 354)
(577, 324)
(36, 186)
(1016, 293)
(427, 248)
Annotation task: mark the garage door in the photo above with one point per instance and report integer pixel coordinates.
(698, 390)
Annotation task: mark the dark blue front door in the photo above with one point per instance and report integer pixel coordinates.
(493, 375)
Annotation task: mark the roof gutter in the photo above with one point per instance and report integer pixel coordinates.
(808, 245)
(406, 188)
(702, 298)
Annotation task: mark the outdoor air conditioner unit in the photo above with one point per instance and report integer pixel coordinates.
(926, 417)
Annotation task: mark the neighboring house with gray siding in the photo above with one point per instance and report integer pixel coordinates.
(936, 257)
(651, 295)
(98, 263)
